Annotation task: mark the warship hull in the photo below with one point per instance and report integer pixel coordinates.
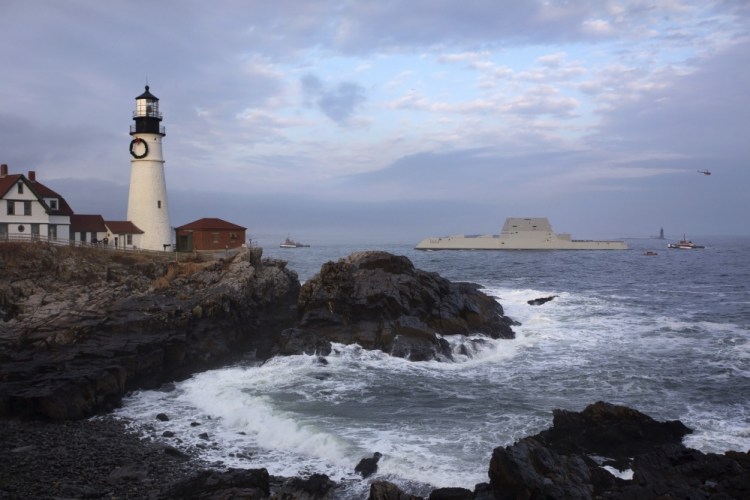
(519, 233)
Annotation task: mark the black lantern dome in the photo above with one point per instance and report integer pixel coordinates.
(147, 115)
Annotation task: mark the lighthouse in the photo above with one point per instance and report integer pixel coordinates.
(147, 200)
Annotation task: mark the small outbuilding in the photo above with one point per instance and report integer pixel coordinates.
(87, 228)
(123, 234)
(209, 235)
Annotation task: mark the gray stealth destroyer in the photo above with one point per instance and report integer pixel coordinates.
(519, 233)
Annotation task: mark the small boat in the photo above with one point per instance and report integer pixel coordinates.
(684, 244)
(290, 243)
(650, 252)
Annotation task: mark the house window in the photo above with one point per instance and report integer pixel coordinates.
(3, 231)
(35, 231)
(83, 236)
(215, 237)
(27, 208)
(20, 188)
(52, 231)
(129, 239)
(11, 207)
(53, 204)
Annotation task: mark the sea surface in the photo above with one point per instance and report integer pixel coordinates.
(667, 334)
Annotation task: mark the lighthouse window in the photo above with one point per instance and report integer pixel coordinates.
(158, 204)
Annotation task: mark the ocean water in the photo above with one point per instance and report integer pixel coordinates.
(667, 334)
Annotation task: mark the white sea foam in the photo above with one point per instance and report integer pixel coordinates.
(622, 474)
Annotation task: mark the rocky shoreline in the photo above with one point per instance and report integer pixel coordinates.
(79, 329)
(102, 458)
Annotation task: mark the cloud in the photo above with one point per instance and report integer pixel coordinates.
(702, 113)
(338, 102)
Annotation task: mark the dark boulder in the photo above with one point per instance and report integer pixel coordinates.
(540, 300)
(451, 494)
(565, 460)
(609, 430)
(233, 483)
(368, 466)
(688, 473)
(315, 487)
(383, 490)
(381, 301)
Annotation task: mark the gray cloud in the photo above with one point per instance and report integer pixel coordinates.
(337, 102)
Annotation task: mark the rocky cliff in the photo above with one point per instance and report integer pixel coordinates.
(81, 327)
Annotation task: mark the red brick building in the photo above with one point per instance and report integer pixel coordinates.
(209, 235)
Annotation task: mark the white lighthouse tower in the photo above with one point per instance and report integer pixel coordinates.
(147, 201)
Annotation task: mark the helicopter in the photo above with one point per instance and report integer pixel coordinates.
(704, 172)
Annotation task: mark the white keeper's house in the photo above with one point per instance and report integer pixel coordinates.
(29, 209)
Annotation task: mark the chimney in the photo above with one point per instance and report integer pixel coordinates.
(3, 170)
(32, 176)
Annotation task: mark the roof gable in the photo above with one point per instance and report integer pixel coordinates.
(40, 191)
(211, 223)
(8, 182)
(43, 191)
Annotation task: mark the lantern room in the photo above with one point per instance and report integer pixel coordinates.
(147, 115)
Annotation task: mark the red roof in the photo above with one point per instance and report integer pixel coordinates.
(211, 223)
(122, 227)
(8, 182)
(87, 223)
(39, 189)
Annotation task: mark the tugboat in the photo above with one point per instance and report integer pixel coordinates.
(290, 243)
(684, 244)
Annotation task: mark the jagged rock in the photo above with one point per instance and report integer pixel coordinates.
(380, 301)
(451, 494)
(609, 430)
(368, 466)
(540, 300)
(233, 483)
(383, 490)
(688, 473)
(81, 327)
(315, 487)
(528, 469)
(558, 463)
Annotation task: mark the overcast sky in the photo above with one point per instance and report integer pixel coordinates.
(390, 121)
